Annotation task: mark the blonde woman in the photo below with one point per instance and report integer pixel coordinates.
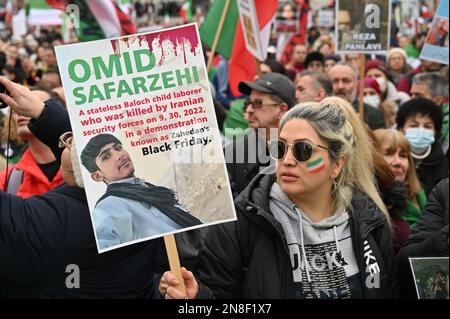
(397, 152)
(317, 228)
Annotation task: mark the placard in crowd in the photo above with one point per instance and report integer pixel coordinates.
(363, 26)
(436, 45)
(146, 134)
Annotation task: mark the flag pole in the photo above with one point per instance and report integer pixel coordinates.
(362, 71)
(258, 67)
(217, 36)
(174, 260)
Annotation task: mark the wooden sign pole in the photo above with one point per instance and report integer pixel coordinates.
(362, 71)
(174, 260)
(217, 36)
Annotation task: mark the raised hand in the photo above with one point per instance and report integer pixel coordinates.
(21, 100)
(168, 286)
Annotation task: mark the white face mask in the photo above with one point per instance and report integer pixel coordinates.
(372, 100)
(420, 138)
(382, 83)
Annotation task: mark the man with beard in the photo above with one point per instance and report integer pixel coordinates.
(344, 79)
(270, 96)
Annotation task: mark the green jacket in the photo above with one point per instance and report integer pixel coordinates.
(411, 51)
(412, 214)
(445, 124)
(235, 119)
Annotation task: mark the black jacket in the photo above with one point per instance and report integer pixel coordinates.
(245, 158)
(42, 235)
(395, 197)
(249, 258)
(428, 239)
(373, 117)
(432, 169)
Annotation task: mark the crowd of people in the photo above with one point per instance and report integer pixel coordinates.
(331, 205)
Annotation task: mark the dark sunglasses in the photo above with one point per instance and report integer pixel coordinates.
(257, 104)
(302, 150)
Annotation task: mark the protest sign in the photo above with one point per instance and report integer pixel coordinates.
(145, 131)
(436, 45)
(249, 21)
(287, 18)
(318, 4)
(430, 277)
(407, 13)
(286, 25)
(19, 25)
(45, 17)
(325, 18)
(363, 26)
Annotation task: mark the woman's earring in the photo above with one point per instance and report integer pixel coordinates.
(334, 185)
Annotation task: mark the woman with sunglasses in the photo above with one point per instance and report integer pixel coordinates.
(315, 229)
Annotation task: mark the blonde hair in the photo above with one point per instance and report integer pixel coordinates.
(390, 141)
(336, 122)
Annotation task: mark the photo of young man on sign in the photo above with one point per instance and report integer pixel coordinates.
(131, 208)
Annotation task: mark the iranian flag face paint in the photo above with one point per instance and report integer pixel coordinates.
(315, 166)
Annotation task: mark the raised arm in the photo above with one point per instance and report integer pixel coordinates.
(49, 120)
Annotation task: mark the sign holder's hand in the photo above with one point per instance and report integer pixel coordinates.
(174, 260)
(178, 283)
(169, 285)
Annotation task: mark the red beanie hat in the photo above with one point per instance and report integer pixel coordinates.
(372, 83)
(376, 64)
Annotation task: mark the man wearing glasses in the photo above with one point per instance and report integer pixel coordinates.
(270, 96)
(130, 209)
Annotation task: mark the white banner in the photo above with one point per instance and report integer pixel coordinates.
(45, 17)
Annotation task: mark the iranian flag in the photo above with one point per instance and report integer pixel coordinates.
(299, 38)
(100, 19)
(45, 12)
(231, 42)
(8, 12)
(315, 166)
(210, 25)
(186, 11)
